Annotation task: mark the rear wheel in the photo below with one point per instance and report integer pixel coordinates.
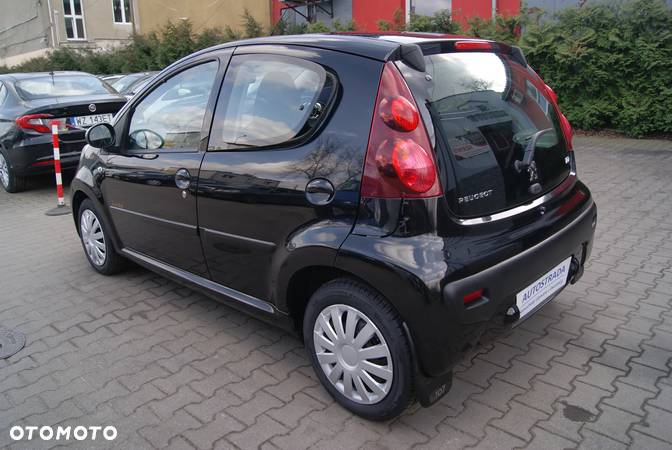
(359, 350)
(98, 249)
(8, 179)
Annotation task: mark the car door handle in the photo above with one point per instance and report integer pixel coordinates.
(319, 191)
(182, 179)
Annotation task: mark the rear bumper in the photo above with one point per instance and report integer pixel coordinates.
(504, 280)
(35, 156)
(426, 276)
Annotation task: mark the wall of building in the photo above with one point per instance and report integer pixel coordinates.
(342, 10)
(99, 26)
(22, 30)
(365, 13)
(463, 10)
(29, 28)
(153, 14)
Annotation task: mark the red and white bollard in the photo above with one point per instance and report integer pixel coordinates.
(60, 208)
(57, 163)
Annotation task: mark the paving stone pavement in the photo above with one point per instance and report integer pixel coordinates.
(171, 368)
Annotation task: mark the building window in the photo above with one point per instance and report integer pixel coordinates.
(74, 19)
(122, 11)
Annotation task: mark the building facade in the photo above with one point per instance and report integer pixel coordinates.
(367, 14)
(30, 28)
(153, 14)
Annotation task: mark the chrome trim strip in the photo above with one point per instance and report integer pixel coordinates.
(567, 182)
(201, 282)
(239, 237)
(158, 219)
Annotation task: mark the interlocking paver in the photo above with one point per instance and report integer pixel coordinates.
(172, 368)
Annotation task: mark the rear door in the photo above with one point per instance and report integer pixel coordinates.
(150, 186)
(288, 128)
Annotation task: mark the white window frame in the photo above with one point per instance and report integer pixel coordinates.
(73, 17)
(124, 20)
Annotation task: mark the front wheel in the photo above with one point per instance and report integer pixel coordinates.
(97, 246)
(359, 350)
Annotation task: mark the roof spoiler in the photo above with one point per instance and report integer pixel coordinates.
(517, 54)
(412, 55)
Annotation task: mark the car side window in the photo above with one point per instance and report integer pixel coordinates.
(269, 100)
(171, 116)
(3, 93)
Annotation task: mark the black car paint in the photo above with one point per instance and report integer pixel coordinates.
(258, 239)
(24, 148)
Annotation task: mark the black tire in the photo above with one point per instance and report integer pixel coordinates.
(113, 261)
(375, 307)
(13, 183)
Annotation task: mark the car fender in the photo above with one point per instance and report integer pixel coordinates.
(84, 184)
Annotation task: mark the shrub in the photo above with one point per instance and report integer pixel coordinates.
(503, 29)
(610, 64)
(439, 22)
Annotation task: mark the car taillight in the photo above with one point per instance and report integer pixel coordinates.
(564, 123)
(399, 113)
(35, 122)
(399, 160)
(467, 46)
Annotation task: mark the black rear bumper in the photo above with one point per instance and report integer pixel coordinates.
(35, 156)
(504, 280)
(501, 283)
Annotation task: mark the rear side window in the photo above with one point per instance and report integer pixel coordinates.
(3, 93)
(269, 100)
(486, 107)
(60, 86)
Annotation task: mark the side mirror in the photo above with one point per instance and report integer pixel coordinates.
(146, 139)
(100, 136)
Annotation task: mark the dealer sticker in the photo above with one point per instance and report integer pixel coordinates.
(537, 292)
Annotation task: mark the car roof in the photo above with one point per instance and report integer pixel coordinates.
(370, 45)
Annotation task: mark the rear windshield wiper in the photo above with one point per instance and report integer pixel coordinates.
(528, 157)
(527, 163)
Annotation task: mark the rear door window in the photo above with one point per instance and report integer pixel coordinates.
(268, 100)
(486, 107)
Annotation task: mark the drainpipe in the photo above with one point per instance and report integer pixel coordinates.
(409, 8)
(51, 25)
(494, 10)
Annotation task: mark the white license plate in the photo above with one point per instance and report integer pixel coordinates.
(536, 293)
(89, 121)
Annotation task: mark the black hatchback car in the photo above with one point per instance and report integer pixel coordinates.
(30, 102)
(389, 198)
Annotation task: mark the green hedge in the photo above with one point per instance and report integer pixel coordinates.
(610, 63)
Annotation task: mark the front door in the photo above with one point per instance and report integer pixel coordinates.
(150, 186)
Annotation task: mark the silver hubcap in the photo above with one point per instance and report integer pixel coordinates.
(353, 354)
(4, 171)
(92, 237)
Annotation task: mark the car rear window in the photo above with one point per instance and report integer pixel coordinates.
(486, 107)
(60, 86)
